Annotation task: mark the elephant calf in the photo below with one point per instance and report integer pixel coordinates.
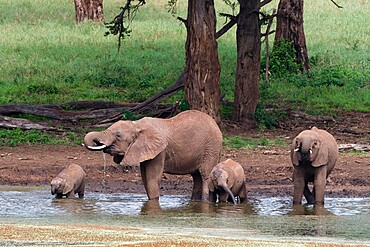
(313, 154)
(227, 181)
(69, 182)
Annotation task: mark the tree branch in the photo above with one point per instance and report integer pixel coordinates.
(264, 2)
(338, 6)
(227, 27)
(19, 123)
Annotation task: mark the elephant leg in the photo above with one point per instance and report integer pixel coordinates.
(310, 197)
(70, 194)
(197, 187)
(299, 184)
(319, 184)
(151, 174)
(200, 189)
(224, 197)
(243, 194)
(212, 196)
(81, 194)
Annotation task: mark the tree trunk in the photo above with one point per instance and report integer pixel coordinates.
(248, 64)
(202, 80)
(89, 10)
(289, 26)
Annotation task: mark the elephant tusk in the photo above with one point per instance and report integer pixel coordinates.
(310, 151)
(296, 150)
(97, 147)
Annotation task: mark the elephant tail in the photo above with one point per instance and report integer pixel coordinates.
(228, 191)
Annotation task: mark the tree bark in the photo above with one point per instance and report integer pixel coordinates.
(89, 10)
(248, 64)
(202, 71)
(289, 27)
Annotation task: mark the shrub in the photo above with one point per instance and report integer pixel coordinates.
(283, 59)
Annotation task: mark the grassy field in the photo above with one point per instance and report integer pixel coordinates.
(47, 58)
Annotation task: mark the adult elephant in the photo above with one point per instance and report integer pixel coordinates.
(189, 143)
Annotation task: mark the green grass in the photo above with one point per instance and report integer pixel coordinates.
(17, 136)
(47, 58)
(339, 47)
(239, 142)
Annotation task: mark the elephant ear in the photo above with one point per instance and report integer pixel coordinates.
(68, 186)
(148, 144)
(322, 157)
(294, 154)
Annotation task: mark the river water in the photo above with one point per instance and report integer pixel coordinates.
(342, 219)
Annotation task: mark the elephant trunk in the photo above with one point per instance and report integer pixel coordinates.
(228, 191)
(93, 141)
(306, 151)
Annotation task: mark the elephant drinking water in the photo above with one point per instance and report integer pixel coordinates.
(189, 143)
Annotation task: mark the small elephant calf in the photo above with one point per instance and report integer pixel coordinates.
(313, 154)
(69, 182)
(227, 181)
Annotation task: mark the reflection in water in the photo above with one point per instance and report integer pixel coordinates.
(309, 210)
(75, 205)
(339, 218)
(191, 207)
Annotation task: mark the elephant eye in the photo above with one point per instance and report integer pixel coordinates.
(118, 135)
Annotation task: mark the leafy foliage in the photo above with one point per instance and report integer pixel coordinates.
(266, 118)
(118, 26)
(283, 59)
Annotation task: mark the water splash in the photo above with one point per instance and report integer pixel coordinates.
(104, 182)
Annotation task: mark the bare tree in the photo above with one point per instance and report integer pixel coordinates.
(202, 72)
(89, 10)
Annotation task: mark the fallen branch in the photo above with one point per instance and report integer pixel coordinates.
(356, 147)
(352, 131)
(109, 113)
(87, 104)
(19, 123)
(179, 84)
(312, 118)
(52, 113)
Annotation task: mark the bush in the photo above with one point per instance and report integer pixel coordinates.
(283, 59)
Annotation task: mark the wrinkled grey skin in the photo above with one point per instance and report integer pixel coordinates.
(189, 143)
(313, 153)
(227, 181)
(69, 182)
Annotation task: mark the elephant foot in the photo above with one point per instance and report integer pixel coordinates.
(197, 197)
(319, 203)
(297, 202)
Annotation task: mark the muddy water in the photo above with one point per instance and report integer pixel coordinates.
(342, 219)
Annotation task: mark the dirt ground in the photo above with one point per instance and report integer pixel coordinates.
(268, 170)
